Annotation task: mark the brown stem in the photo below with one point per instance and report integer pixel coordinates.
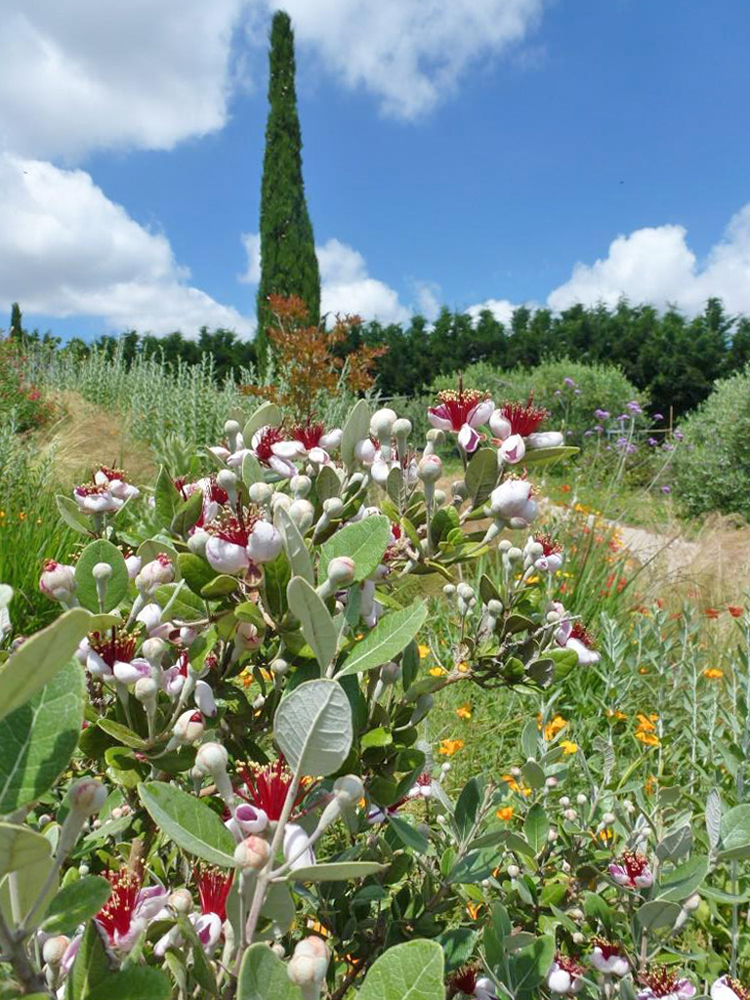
(14, 952)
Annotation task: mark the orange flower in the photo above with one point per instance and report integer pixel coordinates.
(612, 713)
(449, 747)
(650, 785)
(505, 813)
(464, 711)
(735, 611)
(473, 909)
(463, 667)
(650, 739)
(569, 747)
(646, 722)
(565, 488)
(436, 671)
(514, 785)
(713, 673)
(711, 612)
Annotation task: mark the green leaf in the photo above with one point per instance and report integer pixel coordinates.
(657, 913)
(72, 514)
(313, 727)
(202, 968)
(195, 571)
(267, 415)
(408, 836)
(327, 484)
(166, 498)
(156, 546)
(379, 737)
(390, 636)
(536, 827)
(137, 982)
(276, 577)
(363, 541)
(38, 739)
(684, 880)
(336, 871)
(193, 826)
(122, 734)
(468, 803)
(263, 976)
(295, 547)
(185, 605)
(316, 622)
(356, 428)
(547, 456)
(481, 475)
(101, 551)
(75, 903)
(735, 833)
(458, 946)
(530, 965)
(252, 471)
(411, 971)
(39, 658)
(21, 847)
(92, 966)
(220, 586)
(187, 514)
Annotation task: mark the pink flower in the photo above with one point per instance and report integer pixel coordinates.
(575, 636)
(609, 959)
(664, 984)
(462, 411)
(58, 581)
(130, 908)
(110, 656)
(565, 976)
(114, 481)
(632, 870)
(316, 443)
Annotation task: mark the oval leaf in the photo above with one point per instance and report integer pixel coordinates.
(411, 971)
(356, 428)
(21, 848)
(391, 636)
(363, 541)
(313, 727)
(267, 415)
(317, 624)
(336, 871)
(294, 546)
(76, 903)
(263, 976)
(193, 826)
(101, 551)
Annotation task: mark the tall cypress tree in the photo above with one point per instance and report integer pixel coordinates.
(287, 246)
(16, 321)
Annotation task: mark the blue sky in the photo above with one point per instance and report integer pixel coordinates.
(504, 176)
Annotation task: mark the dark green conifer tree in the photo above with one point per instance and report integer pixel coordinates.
(287, 247)
(16, 321)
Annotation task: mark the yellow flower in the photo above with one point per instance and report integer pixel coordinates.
(313, 925)
(713, 673)
(569, 746)
(533, 579)
(606, 834)
(22, 515)
(505, 814)
(646, 723)
(449, 747)
(612, 713)
(436, 671)
(650, 739)
(650, 785)
(553, 727)
(463, 667)
(464, 711)
(473, 909)
(424, 651)
(514, 785)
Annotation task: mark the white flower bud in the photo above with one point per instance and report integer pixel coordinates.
(101, 571)
(44, 819)
(146, 690)
(300, 486)
(514, 554)
(302, 513)
(578, 937)
(349, 789)
(309, 963)
(154, 649)
(551, 782)
(514, 871)
(552, 835)
(333, 507)
(265, 542)
(495, 607)
(575, 914)
(278, 950)
(212, 758)
(87, 796)
(449, 589)
(260, 493)
(54, 948)
(227, 480)
(692, 902)
(515, 771)
(341, 571)
(231, 428)
(58, 581)
(189, 727)
(401, 428)
(608, 818)
(181, 901)
(279, 667)
(155, 574)
(581, 799)
(381, 424)
(252, 853)
(570, 814)
(564, 800)
(430, 469)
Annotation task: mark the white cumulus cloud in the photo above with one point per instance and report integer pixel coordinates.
(81, 75)
(501, 309)
(656, 265)
(67, 250)
(345, 284)
(409, 53)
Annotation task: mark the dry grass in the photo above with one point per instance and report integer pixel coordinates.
(86, 435)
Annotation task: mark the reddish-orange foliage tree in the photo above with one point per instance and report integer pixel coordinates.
(304, 360)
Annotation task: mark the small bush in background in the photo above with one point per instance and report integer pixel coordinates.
(18, 393)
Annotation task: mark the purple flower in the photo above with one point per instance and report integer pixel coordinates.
(678, 435)
(587, 433)
(599, 429)
(666, 489)
(601, 414)
(558, 392)
(634, 407)
(652, 442)
(658, 416)
(631, 448)
(667, 446)
(569, 382)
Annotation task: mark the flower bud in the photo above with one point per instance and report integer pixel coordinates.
(570, 815)
(300, 486)
(203, 695)
(181, 901)
(87, 796)
(514, 554)
(581, 799)
(430, 469)
(500, 425)
(133, 563)
(196, 543)
(146, 690)
(155, 574)
(252, 853)
(401, 428)
(302, 513)
(212, 758)
(154, 649)
(608, 818)
(279, 667)
(101, 571)
(309, 963)
(564, 800)
(54, 948)
(341, 571)
(260, 493)
(58, 582)
(551, 782)
(466, 591)
(333, 507)
(189, 727)
(692, 902)
(381, 424)
(390, 673)
(349, 789)
(514, 871)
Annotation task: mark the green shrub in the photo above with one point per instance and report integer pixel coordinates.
(712, 468)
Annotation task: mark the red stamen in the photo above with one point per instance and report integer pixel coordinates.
(213, 888)
(264, 448)
(116, 916)
(524, 420)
